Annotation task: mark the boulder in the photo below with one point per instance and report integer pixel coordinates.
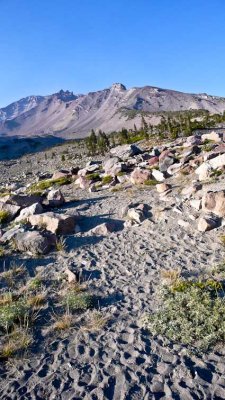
(10, 209)
(204, 171)
(35, 208)
(136, 215)
(55, 198)
(61, 174)
(192, 141)
(166, 159)
(189, 190)
(217, 162)
(60, 224)
(103, 229)
(10, 234)
(214, 202)
(214, 136)
(196, 204)
(125, 151)
(208, 222)
(153, 161)
(162, 187)
(140, 176)
(34, 242)
(158, 175)
(82, 182)
(174, 169)
(24, 200)
(113, 166)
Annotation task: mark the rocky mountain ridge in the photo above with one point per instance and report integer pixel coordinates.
(67, 115)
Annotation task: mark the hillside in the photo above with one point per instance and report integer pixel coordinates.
(67, 115)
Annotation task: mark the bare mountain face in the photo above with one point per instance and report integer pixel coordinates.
(67, 115)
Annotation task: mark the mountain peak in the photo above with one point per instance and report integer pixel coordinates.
(118, 86)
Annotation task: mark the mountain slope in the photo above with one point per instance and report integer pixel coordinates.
(67, 115)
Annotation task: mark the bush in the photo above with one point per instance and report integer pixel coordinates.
(78, 301)
(150, 182)
(46, 184)
(4, 216)
(192, 313)
(93, 177)
(107, 179)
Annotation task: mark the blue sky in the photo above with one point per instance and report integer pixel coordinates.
(86, 45)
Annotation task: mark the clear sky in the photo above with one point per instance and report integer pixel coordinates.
(86, 45)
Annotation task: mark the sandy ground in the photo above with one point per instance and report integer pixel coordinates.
(121, 361)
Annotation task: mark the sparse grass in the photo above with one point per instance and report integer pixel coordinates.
(61, 244)
(150, 182)
(96, 322)
(120, 173)
(37, 300)
(107, 179)
(2, 251)
(13, 312)
(15, 272)
(171, 275)
(46, 184)
(18, 340)
(216, 173)
(93, 177)
(6, 298)
(63, 322)
(191, 312)
(78, 301)
(35, 283)
(4, 216)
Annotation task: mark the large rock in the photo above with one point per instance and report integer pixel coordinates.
(34, 242)
(162, 187)
(104, 229)
(10, 234)
(214, 202)
(61, 174)
(35, 208)
(158, 175)
(217, 162)
(82, 182)
(166, 159)
(214, 136)
(24, 200)
(204, 171)
(55, 198)
(153, 161)
(10, 209)
(125, 151)
(113, 166)
(208, 222)
(140, 176)
(56, 223)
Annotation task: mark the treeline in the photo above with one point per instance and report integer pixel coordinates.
(172, 125)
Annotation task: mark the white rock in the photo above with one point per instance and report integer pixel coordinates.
(158, 175)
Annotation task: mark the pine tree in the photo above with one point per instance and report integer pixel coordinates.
(91, 143)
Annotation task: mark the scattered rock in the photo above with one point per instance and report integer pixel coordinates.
(214, 202)
(208, 222)
(103, 229)
(158, 175)
(24, 200)
(140, 176)
(214, 136)
(162, 187)
(60, 224)
(196, 204)
(35, 208)
(55, 198)
(34, 242)
(11, 209)
(125, 151)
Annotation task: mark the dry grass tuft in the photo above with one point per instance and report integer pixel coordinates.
(96, 322)
(63, 322)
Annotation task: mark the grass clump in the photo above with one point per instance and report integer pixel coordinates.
(46, 184)
(150, 182)
(93, 177)
(60, 244)
(63, 322)
(13, 312)
(107, 179)
(96, 322)
(192, 313)
(4, 216)
(18, 340)
(78, 301)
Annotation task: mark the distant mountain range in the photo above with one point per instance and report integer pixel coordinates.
(67, 115)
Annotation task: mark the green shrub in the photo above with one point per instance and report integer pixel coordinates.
(46, 184)
(12, 313)
(4, 216)
(78, 301)
(107, 179)
(93, 177)
(192, 313)
(150, 182)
